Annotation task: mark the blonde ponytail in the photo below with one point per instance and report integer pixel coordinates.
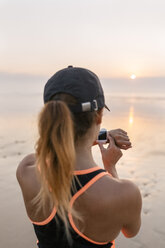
(59, 132)
(55, 153)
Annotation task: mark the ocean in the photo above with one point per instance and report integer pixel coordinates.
(137, 106)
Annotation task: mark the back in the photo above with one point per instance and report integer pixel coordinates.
(98, 203)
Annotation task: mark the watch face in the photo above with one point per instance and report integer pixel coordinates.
(102, 135)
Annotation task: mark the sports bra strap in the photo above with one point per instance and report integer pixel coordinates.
(83, 179)
(96, 176)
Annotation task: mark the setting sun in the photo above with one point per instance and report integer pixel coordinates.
(133, 76)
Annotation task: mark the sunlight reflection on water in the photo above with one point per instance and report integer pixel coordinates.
(142, 118)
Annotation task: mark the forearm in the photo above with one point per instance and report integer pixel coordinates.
(110, 156)
(112, 170)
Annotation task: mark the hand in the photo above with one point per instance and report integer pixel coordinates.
(121, 138)
(110, 155)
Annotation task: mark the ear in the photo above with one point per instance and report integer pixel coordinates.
(99, 116)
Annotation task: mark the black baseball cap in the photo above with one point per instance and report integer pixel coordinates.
(80, 83)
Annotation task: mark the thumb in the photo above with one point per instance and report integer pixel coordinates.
(111, 141)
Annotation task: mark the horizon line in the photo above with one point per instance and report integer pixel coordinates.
(36, 75)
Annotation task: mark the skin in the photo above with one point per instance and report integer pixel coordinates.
(119, 205)
(120, 137)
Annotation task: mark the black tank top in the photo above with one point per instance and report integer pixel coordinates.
(52, 235)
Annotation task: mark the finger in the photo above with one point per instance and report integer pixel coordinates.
(123, 142)
(122, 137)
(126, 147)
(101, 146)
(122, 131)
(123, 134)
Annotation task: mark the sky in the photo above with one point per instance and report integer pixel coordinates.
(113, 38)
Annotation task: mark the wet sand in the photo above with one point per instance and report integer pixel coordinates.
(144, 164)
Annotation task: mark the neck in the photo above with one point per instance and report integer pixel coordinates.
(84, 158)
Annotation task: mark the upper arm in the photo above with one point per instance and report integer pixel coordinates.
(132, 204)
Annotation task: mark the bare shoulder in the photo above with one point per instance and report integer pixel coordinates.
(25, 166)
(28, 160)
(123, 193)
(129, 190)
(30, 185)
(128, 194)
(27, 176)
(118, 207)
(125, 201)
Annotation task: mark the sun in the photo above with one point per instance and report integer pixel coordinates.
(133, 76)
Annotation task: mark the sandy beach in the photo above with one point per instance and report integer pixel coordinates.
(123, 43)
(144, 164)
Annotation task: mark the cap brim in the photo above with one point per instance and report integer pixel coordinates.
(107, 107)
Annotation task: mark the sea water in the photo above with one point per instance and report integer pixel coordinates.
(137, 106)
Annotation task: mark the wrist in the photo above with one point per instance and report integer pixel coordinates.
(111, 133)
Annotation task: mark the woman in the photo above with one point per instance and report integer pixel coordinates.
(71, 201)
